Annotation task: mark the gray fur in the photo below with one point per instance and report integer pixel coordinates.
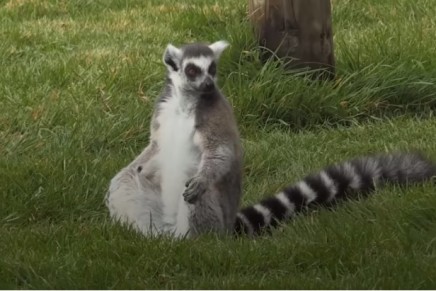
(196, 50)
(164, 95)
(215, 190)
(406, 168)
(221, 170)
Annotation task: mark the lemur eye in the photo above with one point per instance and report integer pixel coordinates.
(212, 69)
(192, 71)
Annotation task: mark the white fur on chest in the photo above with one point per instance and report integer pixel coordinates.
(178, 155)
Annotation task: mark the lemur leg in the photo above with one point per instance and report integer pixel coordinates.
(206, 215)
(134, 194)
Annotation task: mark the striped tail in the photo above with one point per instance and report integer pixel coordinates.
(358, 176)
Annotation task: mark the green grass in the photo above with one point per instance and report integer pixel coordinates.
(77, 85)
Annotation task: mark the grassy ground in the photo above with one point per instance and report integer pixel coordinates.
(77, 84)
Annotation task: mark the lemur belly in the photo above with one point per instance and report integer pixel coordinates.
(178, 158)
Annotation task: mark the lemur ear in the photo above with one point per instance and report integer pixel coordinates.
(172, 57)
(218, 47)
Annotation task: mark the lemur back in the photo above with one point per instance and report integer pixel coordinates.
(188, 180)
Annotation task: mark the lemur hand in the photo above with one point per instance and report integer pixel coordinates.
(195, 187)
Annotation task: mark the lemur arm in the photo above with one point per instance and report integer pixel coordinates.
(216, 160)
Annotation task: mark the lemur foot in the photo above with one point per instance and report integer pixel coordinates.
(195, 187)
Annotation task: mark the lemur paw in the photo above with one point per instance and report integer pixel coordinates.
(195, 187)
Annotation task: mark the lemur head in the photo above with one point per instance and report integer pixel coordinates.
(192, 68)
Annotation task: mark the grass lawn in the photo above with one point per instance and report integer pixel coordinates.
(77, 85)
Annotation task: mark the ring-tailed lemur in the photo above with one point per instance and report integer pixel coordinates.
(188, 180)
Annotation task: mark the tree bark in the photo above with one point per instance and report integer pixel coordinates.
(299, 31)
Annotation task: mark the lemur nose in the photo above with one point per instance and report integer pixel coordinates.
(208, 85)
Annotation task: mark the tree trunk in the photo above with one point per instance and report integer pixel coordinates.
(299, 31)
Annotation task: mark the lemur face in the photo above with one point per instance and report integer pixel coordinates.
(193, 67)
(199, 73)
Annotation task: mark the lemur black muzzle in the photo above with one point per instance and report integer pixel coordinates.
(208, 85)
